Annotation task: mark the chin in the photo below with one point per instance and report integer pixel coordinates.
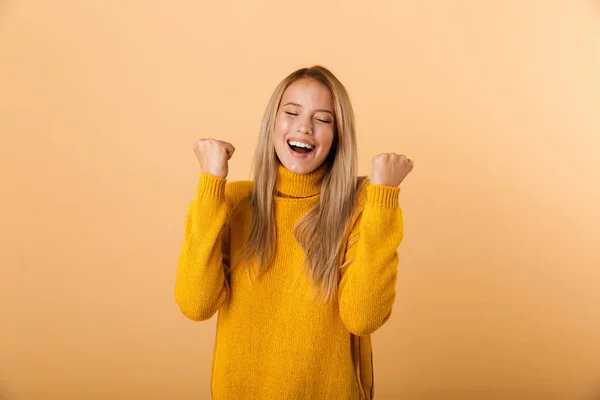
(299, 167)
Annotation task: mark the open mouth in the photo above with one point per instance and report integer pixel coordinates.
(299, 147)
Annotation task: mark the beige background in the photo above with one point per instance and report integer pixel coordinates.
(498, 103)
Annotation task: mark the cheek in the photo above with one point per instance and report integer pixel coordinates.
(325, 136)
(282, 126)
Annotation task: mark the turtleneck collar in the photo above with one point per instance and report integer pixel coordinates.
(291, 184)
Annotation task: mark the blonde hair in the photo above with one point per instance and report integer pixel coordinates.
(322, 230)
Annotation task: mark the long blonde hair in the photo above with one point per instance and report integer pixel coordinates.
(322, 230)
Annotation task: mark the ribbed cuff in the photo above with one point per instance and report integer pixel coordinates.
(383, 195)
(211, 186)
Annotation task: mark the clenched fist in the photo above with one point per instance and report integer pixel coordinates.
(213, 156)
(390, 169)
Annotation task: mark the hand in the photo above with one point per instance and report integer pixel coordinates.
(390, 169)
(213, 156)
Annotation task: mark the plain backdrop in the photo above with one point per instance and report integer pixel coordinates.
(497, 102)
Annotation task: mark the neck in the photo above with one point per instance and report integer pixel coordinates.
(291, 184)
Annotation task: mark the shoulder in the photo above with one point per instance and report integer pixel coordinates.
(238, 191)
(362, 186)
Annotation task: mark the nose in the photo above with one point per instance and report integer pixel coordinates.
(305, 128)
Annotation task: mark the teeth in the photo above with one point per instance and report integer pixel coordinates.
(299, 144)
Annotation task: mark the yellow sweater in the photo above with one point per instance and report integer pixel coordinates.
(273, 341)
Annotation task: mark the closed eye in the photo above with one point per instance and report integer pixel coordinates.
(290, 113)
(324, 121)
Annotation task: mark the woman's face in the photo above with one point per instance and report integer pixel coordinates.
(304, 126)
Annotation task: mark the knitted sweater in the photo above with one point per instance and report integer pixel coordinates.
(274, 340)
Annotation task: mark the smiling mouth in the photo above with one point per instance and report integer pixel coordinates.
(300, 147)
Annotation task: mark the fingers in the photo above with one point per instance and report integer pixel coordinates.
(394, 156)
(229, 148)
(214, 143)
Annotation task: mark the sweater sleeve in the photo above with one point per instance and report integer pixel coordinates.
(201, 286)
(367, 289)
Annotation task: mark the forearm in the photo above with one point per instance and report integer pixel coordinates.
(200, 286)
(367, 289)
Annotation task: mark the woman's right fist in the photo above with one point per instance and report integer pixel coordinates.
(213, 155)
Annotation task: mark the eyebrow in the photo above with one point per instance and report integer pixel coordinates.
(290, 103)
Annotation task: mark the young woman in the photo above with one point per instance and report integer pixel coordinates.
(301, 262)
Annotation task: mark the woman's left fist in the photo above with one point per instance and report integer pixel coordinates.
(390, 169)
